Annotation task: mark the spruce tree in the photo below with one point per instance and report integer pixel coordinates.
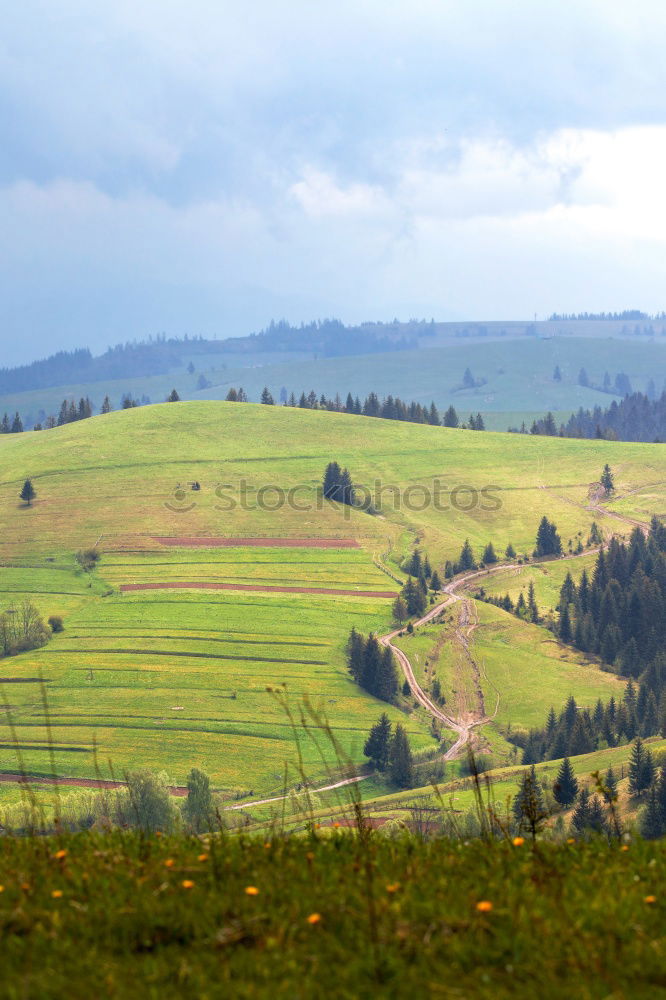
(651, 824)
(387, 679)
(28, 492)
(451, 418)
(510, 552)
(607, 479)
(529, 810)
(565, 788)
(356, 655)
(580, 820)
(489, 555)
(173, 397)
(641, 768)
(378, 744)
(435, 582)
(372, 666)
(466, 560)
(401, 762)
(400, 612)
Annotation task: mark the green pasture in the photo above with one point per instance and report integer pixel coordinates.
(518, 374)
(547, 578)
(172, 680)
(113, 480)
(531, 670)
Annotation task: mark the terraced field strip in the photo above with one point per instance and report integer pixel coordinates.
(199, 585)
(272, 543)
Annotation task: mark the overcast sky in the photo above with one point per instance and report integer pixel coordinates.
(205, 166)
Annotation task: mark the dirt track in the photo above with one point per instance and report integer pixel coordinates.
(257, 588)
(204, 542)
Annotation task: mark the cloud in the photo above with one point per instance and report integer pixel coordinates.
(205, 167)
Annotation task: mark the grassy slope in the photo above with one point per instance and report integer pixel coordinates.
(518, 371)
(115, 476)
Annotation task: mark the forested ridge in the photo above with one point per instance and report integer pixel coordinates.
(618, 615)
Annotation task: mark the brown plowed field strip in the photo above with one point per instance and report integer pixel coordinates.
(186, 541)
(255, 588)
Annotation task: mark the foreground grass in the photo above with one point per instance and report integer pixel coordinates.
(125, 916)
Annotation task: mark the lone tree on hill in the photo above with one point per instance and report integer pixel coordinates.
(378, 744)
(565, 788)
(173, 397)
(266, 397)
(607, 479)
(28, 493)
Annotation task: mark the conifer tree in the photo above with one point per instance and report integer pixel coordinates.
(580, 820)
(529, 810)
(641, 768)
(565, 788)
(173, 397)
(607, 479)
(401, 761)
(378, 744)
(451, 418)
(400, 612)
(356, 655)
(489, 555)
(28, 492)
(466, 559)
(435, 582)
(387, 679)
(651, 824)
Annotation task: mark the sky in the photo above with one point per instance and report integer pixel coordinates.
(203, 167)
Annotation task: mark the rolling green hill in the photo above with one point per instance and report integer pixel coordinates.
(517, 369)
(176, 675)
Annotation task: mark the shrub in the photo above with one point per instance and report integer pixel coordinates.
(56, 623)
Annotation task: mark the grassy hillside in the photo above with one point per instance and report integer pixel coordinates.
(172, 678)
(518, 374)
(116, 476)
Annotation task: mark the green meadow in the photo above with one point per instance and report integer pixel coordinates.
(175, 678)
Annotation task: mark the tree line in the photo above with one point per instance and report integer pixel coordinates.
(637, 417)
(389, 408)
(372, 666)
